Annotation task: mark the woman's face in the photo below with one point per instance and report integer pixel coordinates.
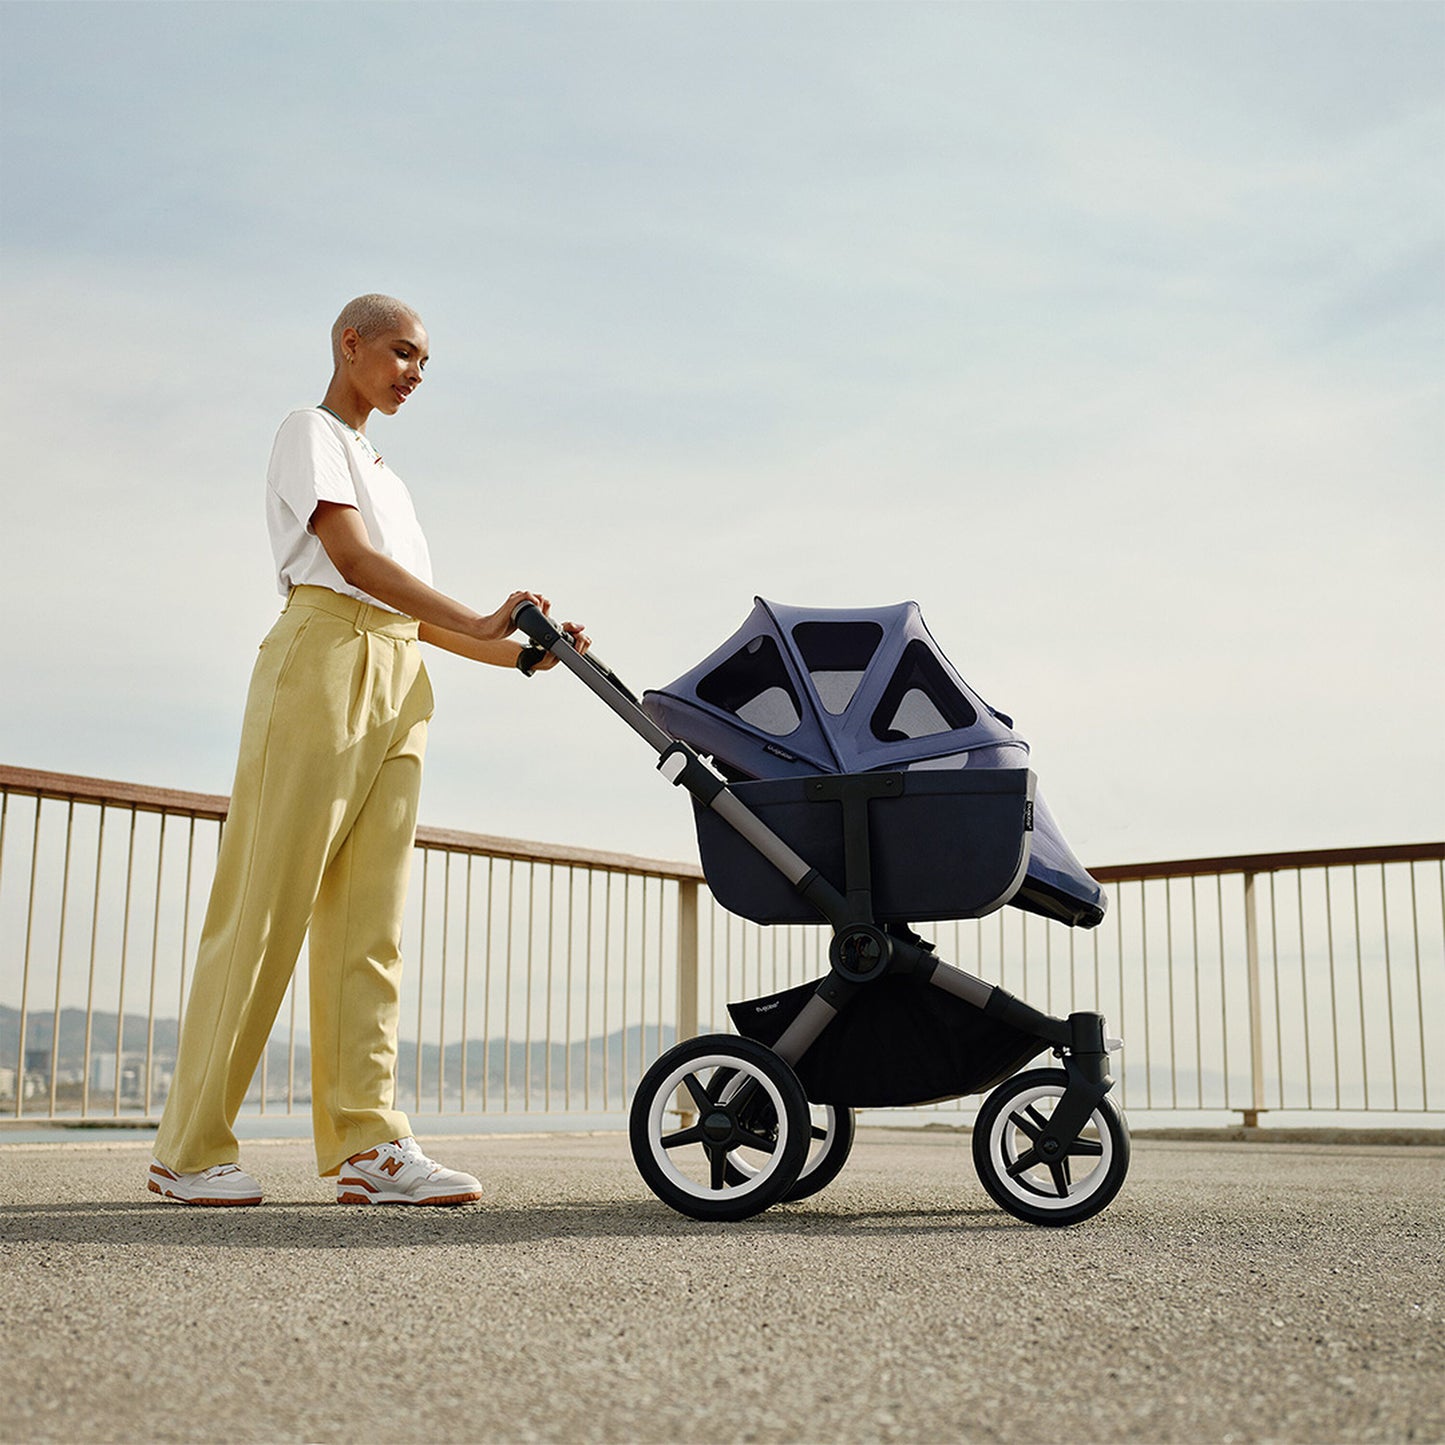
(386, 368)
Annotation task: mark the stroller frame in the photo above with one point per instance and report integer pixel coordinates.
(753, 1123)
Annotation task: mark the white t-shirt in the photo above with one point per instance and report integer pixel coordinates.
(317, 458)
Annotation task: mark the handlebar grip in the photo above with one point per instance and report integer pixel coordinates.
(536, 624)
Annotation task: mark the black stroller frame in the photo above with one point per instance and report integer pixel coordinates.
(1049, 1145)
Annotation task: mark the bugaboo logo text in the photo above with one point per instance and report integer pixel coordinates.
(764, 1008)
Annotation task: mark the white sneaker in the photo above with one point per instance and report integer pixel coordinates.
(399, 1173)
(221, 1185)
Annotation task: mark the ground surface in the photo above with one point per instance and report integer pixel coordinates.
(1233, 1292)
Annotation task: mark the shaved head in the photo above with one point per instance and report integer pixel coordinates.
(368, 316)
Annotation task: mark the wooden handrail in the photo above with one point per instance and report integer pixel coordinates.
(72, 788)
(68, 787)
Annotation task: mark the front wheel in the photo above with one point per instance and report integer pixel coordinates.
(750, 1139)
(1017, 1177)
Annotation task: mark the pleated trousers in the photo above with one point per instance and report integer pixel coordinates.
(319, 838)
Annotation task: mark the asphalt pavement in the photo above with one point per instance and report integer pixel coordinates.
(1260, 1292)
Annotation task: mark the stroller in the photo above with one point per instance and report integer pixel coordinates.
(857, 780)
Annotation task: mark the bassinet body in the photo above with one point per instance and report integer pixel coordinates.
(798, 694)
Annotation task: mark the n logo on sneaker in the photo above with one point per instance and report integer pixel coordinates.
(392, 1166)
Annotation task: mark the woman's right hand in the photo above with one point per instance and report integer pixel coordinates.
(499, 624)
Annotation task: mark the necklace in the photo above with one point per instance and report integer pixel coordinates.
(355, 431)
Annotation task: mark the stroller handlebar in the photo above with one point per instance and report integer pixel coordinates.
(536, 624)
(547, 637)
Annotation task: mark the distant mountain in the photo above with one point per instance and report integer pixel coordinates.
(494, 1063)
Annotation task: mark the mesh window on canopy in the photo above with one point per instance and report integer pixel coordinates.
(837, 655)
(753, 685)
(921, 700)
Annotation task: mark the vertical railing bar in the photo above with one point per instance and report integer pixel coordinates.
(624, 1077)
(661, 956)
(1198, 997)
(547, 1013)
(466, 977)
(1097, 1002)
(606, 988)
(1144, 970)
(442, 1009)
(641, 979)
(1334, 994)
(591, 877)
(291, 989)
(1419, 992)
(25, 970)
(1360, 980)
(1119, 941)
(1073, 971)
(60, 956)
(567, 988)
(1304, 984)
(1256, 1020)
(527, 992)
(124, 953)
(487, 992)
(90, 976)
(1389, 986)
(186, 919)
(155, 958)
(1223, 988)
(1022, 923)
(1274, 967)
(421, 974)
(507, 990)
(1169, 964)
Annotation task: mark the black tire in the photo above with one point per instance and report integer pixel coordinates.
(757, 1122)
(1055, 1193)
(831, 1139)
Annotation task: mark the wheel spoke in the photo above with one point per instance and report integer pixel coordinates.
(1092, 1148)
(818, 1132)
(757, 1141)
(699, 1095)
(1060, 1172)
(717, 1167)
(681, 1137)
(1026, 1161)
(1029, 1122)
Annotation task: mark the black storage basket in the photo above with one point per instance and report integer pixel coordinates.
(907, 1043)
(944, 844)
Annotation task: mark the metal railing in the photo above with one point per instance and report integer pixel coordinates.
(545, 979)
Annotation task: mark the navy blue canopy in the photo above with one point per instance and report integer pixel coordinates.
(799, 690)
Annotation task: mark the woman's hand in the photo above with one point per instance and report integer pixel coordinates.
(576, 635)
(499, 624)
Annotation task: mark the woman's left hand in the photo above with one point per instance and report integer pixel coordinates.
(579, 639)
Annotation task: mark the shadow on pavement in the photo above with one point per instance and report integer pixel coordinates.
(323, 1225)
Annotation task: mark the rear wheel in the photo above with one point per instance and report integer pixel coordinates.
(750, 1139)
(1073, 1187)
(830, 1139)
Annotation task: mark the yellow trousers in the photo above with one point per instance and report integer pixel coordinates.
(319, 837)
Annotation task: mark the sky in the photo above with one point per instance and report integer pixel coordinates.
(1112, 334)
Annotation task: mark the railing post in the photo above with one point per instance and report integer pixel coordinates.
(1256, 1018)
(687, 956)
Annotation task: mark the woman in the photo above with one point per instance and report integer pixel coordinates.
(320, 830)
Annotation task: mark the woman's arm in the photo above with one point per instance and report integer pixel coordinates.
(445, 621)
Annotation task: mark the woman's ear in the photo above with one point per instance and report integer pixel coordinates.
(350, 340)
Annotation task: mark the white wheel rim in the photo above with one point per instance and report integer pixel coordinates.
(657, 1109)
(1035, 1186)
